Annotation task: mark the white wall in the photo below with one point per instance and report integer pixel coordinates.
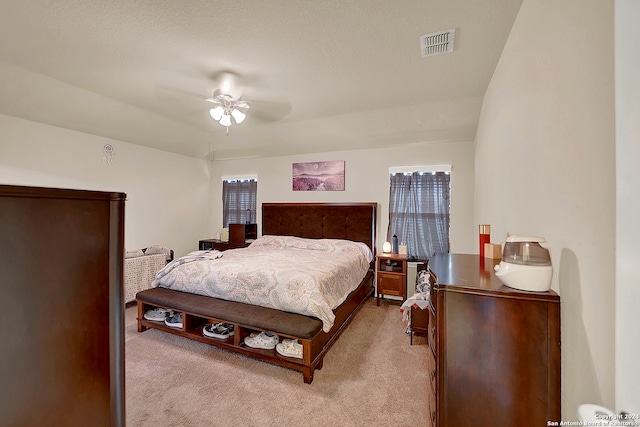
(545, 166)
(167, 194)
(627, 63)
(366, 180)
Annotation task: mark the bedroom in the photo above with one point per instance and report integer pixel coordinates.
(578, 228)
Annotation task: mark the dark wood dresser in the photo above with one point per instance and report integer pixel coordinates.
(62, 336)
(494, 355)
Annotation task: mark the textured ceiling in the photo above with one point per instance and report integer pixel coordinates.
(320, 75)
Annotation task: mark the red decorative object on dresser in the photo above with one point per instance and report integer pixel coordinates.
(494, 356)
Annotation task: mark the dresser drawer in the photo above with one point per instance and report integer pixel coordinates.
(432, 370)
(431, 366)
(432, 297)
(432, 410)
(431, 389)
(431, 335)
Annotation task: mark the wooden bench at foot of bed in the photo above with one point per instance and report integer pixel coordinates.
(198, 310)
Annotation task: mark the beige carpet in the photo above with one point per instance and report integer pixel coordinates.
(371, 377)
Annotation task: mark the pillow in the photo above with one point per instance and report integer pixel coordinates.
(277, 241)
(157, 249)
(268, 240)
(425, 280)
(133, 254)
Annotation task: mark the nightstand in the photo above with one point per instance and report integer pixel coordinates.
(240, 236)
(391, 276)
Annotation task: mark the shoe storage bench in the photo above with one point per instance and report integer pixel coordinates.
(199, 310)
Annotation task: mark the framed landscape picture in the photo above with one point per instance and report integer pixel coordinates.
(318, 176)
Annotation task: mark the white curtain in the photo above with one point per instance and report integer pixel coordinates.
(419, 206)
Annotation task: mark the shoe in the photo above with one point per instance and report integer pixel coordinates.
(263, 340)
(290, 348)
(174, 321)
(158, 314)
(218, 330)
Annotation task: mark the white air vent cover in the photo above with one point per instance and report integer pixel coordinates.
(437, 43)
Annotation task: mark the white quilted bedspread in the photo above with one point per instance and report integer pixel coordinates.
(305, 276)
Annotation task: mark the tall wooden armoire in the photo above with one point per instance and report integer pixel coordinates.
(61, 307)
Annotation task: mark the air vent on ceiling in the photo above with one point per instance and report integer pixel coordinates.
(437, 43)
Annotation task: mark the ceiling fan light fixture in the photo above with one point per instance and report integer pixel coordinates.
(225, 120)
(216, 113)
(238, 115)
(226, 107)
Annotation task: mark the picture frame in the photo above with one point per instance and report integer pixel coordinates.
(318, 176)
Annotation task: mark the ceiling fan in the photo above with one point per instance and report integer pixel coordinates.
(255, 103)
(226, 107)
(227, 102)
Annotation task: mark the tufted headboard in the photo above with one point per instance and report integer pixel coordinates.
(349, 221)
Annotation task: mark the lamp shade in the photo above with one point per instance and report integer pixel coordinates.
(225, 120)
(238, 115)
(216, 113)
(386, 247)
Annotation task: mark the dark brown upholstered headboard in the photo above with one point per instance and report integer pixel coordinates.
(349, 221)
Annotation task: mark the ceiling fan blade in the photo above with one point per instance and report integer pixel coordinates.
(263, 111)
(170, 97)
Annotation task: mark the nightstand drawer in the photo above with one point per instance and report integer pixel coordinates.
(391, 284)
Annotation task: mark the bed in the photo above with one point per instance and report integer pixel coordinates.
(283, 224)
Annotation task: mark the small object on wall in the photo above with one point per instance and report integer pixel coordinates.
(386, 247)
(485, 236)
(107, 154)
(394, 244)
(318, 176)
(403, 250)
(492, 250)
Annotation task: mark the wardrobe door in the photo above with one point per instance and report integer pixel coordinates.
(61, 257)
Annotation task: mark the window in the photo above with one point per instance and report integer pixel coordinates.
(239, 201)
(419, 205)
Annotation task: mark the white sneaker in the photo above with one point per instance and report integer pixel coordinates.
(158, 314)
(263, 340)
(290, 348)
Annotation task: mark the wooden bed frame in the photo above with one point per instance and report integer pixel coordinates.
(351, 221)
